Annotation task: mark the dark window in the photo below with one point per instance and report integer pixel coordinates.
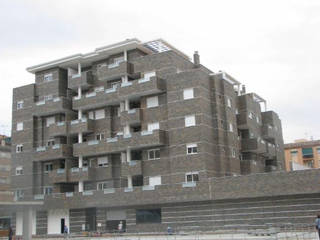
(137, 181)
(307, 152)
(136, 128)
(136, 155)
(148, 216)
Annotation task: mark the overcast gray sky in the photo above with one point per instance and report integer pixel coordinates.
(270, 46)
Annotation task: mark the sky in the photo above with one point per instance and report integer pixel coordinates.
(271, 46)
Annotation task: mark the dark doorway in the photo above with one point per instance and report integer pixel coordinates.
(112, 225)
(62, 225)
(91, 219)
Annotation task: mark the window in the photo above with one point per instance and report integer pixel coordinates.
(153, 126)
(152, 102)
(50, 121)
(148, 75)
(103, 162)
(154, 154)
(19, 105)
(148, 216)
(50, 142)
(47, 190)
(258, 119)
(102, 185)
(91, 115)
(99, 136)
(192, 177)
(18, 194)
(250, 115)
(188, 93)
(48, 97)
(19, 170)
(192, 148)
(230, 127)
(99, 114)
(307, 152)
(48, 167)
(228, 102)
(154, 181)
(318, 151)
(47, 77)
(19, 148)
(190, 120)
(233, 152)
(115, 85)
(19, 126)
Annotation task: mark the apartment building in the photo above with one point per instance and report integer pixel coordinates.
(116, 134)
(5, 168)
(302, 154)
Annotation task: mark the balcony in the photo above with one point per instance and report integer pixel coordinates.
(50, 107)
(103, 173)
(121, 143)
(81, 126)
(112, 96)
(131, 168)
(132, 116)
(58, 176)
(83, 80)
(113, 71)
(58, 129)
(253, 145)
(243, 121)
(271, 150)
(58, 151)
(268, 132)
(81, 174)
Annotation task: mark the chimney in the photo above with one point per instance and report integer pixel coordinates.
(196, 59)
(243, 91)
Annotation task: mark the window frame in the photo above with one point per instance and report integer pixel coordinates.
(19, 170)
(192, 120)
(154, 152)
(192, 176)
(192, 146)
(19, 126)
(155, 104)
(20, 104)
(48, 77)
(157, 124)
(105, 163)
(188, 93)
(19, 148)
(45, 167)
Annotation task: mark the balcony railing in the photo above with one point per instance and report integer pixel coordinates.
(81, 174)
(58, 129)
(255, 145)
(121, 143)
(84, 80)
(131, 168)
(132, 116)
(58, 176)
(58, 151)
(83, 125)
(53, 106)
(113, 71)
(111, 96)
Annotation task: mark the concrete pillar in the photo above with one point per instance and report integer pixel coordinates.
(126, 105)
(80, 162)
(129, 182)
(80, 186)
(126, 130)
(123, 157)
(125, 55)
(79, 68)
(79, 137)
(27, 223)
(124, 79)
(79, 92)
(122, 106)
(128, 155)
(80, 114)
